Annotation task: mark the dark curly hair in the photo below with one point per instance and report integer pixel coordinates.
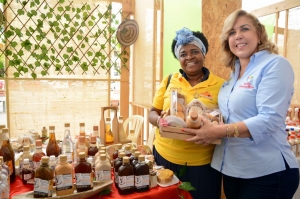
(197, 34)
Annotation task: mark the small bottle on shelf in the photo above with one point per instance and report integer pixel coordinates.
(43, 180)
(93, 148)
(81, 147)
(126, 177)
(193, 121)
(52, 147)
(83, 174)
(44, 132)
(136, 158)
(27, 172)
(2, 126)
(26, 155)
(127, 150)
(37, 156)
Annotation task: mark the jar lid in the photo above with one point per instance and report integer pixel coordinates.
(45, 159)
(63, 158)
(38, 143)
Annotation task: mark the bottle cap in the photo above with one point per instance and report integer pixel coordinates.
(95, 128)
(102, 152)
(127, 147)
(63, 158)
(292, 137)
(122, 154)
(45, 159)
(118, 146)
(93, 138)
(102, 157)
(133, 150)
(81, 155)
(141, 158)
(26, 161)
(81, 124)
(81, 139)
(120, 151)
(67, 124)
(25, 148)
(1, 159)
(38, 143)
(52, 157)
(125, 159)
(103, 148)
(51, 127)
(137, 153)
(193, 115)
(82, 134)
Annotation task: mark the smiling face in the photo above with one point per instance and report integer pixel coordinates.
(243, 38)
(191, 59)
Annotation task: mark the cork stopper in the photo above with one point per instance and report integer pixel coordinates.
(45, 160)
(81, 139)
(95, 128)
(127, 147)
(141, 158)
(125, 159)
(38, 143)
(107, 119)
(102, 157)
(133, 150)
(194, 115)
(120, 117)
(63, 158)
(120, 151)
(81, 155)
(103, 148)
(52, 128)
(82, 134)
(25, 148)
(5, 130)
(67, 124)
(102, 152)
(136, 154)
(121, 155)
(93, 139)
(118, 146)
(81, 124)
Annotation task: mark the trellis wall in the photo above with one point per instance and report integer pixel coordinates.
(72, 43)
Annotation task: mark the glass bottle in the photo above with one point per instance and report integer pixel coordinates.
(52, 147)
(64, 177)
(136, 158)
(4, 186)
(68, 144)
(8, 154)
(27, 172)
(109, 138)
(115, 154)
(126, 177)
(83, 174)
(93, 148)
(117, 165)
(52, 162)
(26, 155)
(43, 180)
(141, 175)
(127, 150)
(296, 118)
(192, 120)
(81, 147)
(99, 141)
(82, 133)
(5, 171)
(101, 152)
(102, 169)
(133, 150)
(2, 126)
(37, 156)
(44, 132)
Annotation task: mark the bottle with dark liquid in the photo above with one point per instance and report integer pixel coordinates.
(38, 154)
(93, 148)
(126, 177)
(83, 174)
(127, 150)
(52, 147)
(8, 154)
(133, 150)
(43, 180)
(27, 173)
(136, 158)
(118, 162)
(141, 175)
(115, 154)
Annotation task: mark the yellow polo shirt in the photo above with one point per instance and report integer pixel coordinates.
(179, 151)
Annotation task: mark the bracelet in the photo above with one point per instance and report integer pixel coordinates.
(157, 121)
(227, 130)
(236, 132)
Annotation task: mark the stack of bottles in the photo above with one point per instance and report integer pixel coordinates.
(292, 120)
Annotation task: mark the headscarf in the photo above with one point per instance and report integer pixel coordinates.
(185, 36)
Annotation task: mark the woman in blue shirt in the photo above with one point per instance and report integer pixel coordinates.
(254, 156)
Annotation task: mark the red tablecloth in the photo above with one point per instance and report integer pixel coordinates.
(170, 192)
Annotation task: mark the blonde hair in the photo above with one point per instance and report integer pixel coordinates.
(228, 58)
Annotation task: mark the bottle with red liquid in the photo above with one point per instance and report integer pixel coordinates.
(83, 174)
(38, 154)
(52, 147)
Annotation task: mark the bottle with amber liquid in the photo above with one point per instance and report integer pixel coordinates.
(109, 138)
(27, 172)
(38, 154)
(64, 177)
(126, 177)
(8, 154)
(193, 121)
(52, 147)
(43, 180)
(83, 174)
(141, 175)
(117, 165)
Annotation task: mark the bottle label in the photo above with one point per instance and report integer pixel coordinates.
(27, 176)
(63, 182)
(142, 181)
(31, 165)
(103, 175)
(42, 187)
(126, 182)
(116, 177)
(36, 165)
(83, 180)
(10, 166)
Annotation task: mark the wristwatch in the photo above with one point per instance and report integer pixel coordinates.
(236, 132)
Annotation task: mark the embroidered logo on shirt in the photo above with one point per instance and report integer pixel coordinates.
(248, 83)
(206, 95)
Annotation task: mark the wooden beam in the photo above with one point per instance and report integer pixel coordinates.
(277, 7)
(285, 35)
(276, 27)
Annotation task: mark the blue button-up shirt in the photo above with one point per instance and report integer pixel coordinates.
(260, 98)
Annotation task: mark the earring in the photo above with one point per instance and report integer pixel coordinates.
(258, 42)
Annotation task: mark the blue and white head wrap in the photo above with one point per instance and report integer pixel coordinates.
(185, 36)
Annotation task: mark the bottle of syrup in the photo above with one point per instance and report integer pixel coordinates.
(93, 148)
(27, 173)
(127, 150)
(136, 158)
(83, 174)
(38, 154)
(133, 150)
(118, 162)
(109, 138)
(115, 154)
(64, 177)
(52, 147)
(43, 180)
(126, 177)
(8, 154)
(26, 155)
(141, 175)
(102, 169)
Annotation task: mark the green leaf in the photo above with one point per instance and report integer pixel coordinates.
(44, 73)
(79, 37)
(49, 15)
(20, 12)
(34, 13)
(70, 49)
(65, 56)
(89, 53)
(60, 9)
(183, 170)
(16, 74)
(82, 45)
(33, 75)
(13, 44)
(32, 4)
(90, 23)
(8, 34)
(57, 67)
(37, 63)
(20, 53)
(37, 2)
(68, 8)
(61, 1)
(186, 186)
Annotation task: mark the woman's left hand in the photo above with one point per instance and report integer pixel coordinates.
(202, 135)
